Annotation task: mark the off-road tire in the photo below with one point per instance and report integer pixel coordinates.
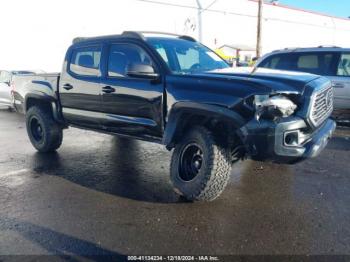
(52, 134)
(214, 172)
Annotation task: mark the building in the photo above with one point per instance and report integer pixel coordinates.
(41, 31)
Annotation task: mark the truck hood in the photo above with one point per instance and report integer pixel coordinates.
(268, 79)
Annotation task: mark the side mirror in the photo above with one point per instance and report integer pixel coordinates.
(139, 70)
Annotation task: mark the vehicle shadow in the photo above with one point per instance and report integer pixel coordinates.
(56, 243)
(339, 144)
(131, 169)
(127, 170)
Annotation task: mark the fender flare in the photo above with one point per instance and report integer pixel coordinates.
(181, 109)
(37, 95)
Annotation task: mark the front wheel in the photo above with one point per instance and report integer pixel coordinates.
(200, 166)
(44, 133)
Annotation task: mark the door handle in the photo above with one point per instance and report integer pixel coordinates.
(108, 89)
(338, 85)
(67, 86)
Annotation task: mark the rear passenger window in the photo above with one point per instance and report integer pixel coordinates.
(344, 65)
(308, 62)
(86, 61)
(321, 63)
(121, 55)
(281, 62)
(274, 61)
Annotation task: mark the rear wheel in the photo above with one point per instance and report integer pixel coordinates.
(200, 166)
(44, 132)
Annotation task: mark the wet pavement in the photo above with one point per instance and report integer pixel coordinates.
(103, 195)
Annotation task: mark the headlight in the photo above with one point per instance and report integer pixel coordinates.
(273, 107)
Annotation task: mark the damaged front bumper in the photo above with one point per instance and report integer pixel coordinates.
(287, 141)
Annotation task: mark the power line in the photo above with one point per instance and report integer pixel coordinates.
(210, 5)
(236, 14)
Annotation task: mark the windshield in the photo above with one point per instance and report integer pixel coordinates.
(186, 57)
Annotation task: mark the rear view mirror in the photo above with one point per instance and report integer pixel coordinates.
(139, 70)
(182, 50)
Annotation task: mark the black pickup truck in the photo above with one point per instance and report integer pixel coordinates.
(172, 90)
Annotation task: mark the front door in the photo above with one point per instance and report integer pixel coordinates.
(133, 106)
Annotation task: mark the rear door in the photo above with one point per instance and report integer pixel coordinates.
(133, 106)
(5, 88)
(80, 88)
(341, 82)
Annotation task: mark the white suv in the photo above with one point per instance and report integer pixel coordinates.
(332, 62)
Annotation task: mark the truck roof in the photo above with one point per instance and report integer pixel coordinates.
(312, 49)
(141, 35)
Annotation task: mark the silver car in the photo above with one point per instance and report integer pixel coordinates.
(332, 62)
(7, 86)
(5, 89)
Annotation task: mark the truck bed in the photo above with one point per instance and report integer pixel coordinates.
(22, 84)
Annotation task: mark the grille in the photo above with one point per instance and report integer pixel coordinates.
(322, 105)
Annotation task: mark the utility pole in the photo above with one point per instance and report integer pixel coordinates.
(200, 10)
(259, 29)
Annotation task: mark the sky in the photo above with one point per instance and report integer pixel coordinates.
(330, 7)
(39, 38)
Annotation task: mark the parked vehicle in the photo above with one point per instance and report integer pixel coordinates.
(332, 62)
(172, 90)
(5, 89)
(11, 83)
